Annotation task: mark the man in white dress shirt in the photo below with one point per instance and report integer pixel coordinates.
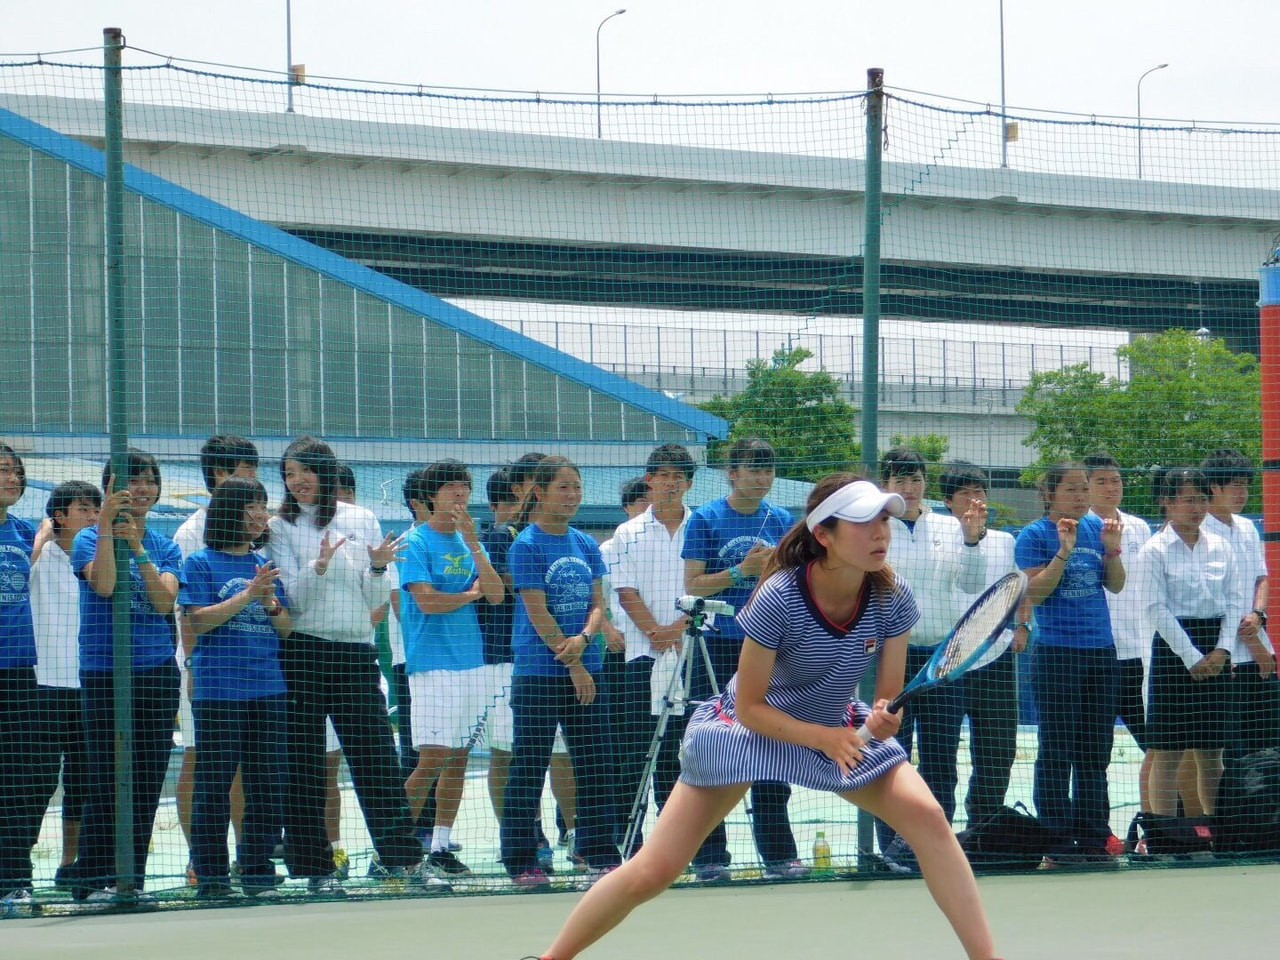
(1128, 608)
(988, 697)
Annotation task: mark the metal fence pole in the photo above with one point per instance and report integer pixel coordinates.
(871, 344)
(118, 426)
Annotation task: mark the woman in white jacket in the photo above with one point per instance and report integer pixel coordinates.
(335, 566)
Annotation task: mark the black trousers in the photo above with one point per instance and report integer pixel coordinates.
(155, 704)
(634, 731)
(62, 732)
(1255, 713)
(248, 735)
(989, 697)
(540, 705)
(341, 681)
(28, 776)
(1132, 708)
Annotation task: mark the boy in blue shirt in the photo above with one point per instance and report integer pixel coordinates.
(444, 572)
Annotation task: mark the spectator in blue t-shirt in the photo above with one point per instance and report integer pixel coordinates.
(556, 571)
(726, 546)
(1070, 556)
(154, 573)
(444, 573)
(22, 755)
(238, 613)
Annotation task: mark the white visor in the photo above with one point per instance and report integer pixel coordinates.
(859, 502)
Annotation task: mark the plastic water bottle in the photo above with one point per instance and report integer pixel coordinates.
(821, 853)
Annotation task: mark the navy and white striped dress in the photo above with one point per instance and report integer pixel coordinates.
(815, 679)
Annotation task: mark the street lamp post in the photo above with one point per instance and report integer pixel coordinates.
(288, 54)
(599, 124)
(1004, 112)
(1159, 66)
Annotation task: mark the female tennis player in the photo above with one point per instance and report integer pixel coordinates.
(826, 607)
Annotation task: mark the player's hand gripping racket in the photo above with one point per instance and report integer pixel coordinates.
(975, 641)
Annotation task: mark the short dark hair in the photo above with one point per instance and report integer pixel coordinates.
(318, 457)
(437, 474)
(637, 488)
(135, 462)
(415, 487)
(959, 474)
(902, 462)
(344, 478)
(224, 525)
(67, 493)
(752, 453)
(1168, 481)
(1100, 460)
(498, 489)
(12, 454)
(1226, 464)
(225, 452)
(671, 455)
(522, 470)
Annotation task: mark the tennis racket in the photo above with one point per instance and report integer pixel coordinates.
(975, 641)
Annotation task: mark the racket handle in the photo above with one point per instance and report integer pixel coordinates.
(894, 706)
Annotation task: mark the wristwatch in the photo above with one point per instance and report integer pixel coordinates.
(1262, 617)
(735, 576)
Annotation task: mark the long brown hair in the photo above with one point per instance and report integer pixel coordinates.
(318, 457)
(541, 477)
(800, 547)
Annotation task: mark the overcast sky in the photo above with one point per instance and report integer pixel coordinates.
(1080, 56)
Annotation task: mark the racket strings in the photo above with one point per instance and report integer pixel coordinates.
(981, 622)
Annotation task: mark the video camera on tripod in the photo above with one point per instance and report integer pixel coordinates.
(701, 606)
(674, 681)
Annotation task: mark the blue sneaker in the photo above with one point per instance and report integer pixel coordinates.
(546, 858)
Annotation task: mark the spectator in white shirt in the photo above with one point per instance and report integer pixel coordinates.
(1195, 602)
(1128, 608)
(988, 697)
(648, 579)
(334, 563)
(939, 557)
(1255, 691)
(55, 614)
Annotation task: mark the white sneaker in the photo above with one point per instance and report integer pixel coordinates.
(111, 896)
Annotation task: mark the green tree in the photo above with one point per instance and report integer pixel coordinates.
(802, 413)
(1184, 397)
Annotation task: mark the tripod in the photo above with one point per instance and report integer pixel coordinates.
(695, 642)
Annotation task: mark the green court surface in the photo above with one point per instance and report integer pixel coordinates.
(1208, 913)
